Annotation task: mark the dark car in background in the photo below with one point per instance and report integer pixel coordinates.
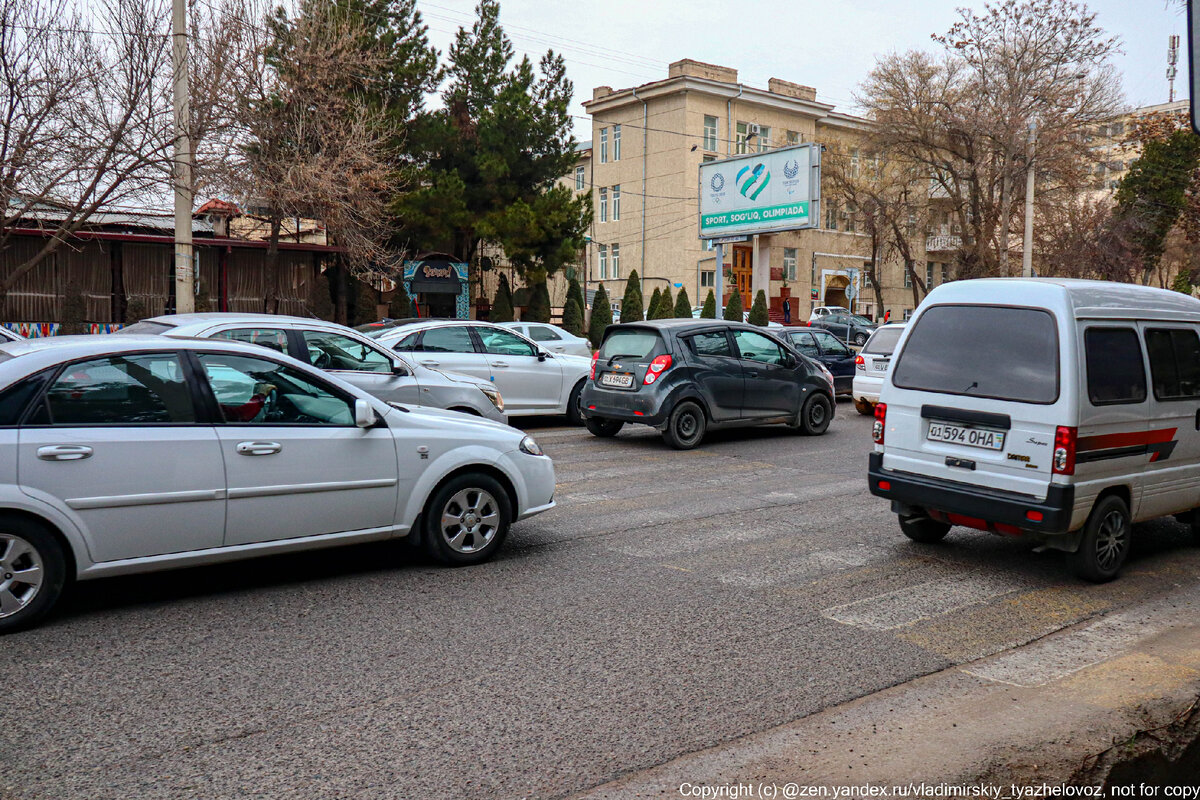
(846, 326)
(823, 346)
(685, 377)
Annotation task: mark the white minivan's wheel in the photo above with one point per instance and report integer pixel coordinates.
(32, 573)
(1105, 542)
(467, 519)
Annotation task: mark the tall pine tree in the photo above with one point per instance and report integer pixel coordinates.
(733, 311)
(632, 309)
(683, 305)
(601, 317)
(758, 311)
(710, 307)
(502, 307)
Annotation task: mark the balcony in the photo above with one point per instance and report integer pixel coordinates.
(942, 243)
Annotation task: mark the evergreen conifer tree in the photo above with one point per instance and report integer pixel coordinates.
(758, 311)
(710, 307)
(683, 305)
(400, 306)
(502, 308)
(632, 309)
(733, 311)
(601, 317)
(572, 321)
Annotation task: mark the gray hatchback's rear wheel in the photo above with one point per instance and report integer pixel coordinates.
(685, 427)
(815, 415)
(1105, 542)
(467, 519)
(32, 573)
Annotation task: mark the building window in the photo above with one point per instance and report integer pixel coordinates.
(616, 142)
(866, 275)
(743, 130)
(708, 278)
(851, 219)
(604, 145)
(907, 314)
(928, 275)
(794, 137)
(603, 261)
(943, 280)
(604, 204)
(854, 163)
(710, 133)
(708, 157)
(580, 179)
(616, 260)
(616, 200)
(831, 215)
(907, 280)
(789, 263)
(764, 138)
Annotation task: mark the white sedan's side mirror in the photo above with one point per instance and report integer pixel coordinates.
(364, 415)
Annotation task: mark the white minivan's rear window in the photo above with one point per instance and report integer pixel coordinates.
(998, 352)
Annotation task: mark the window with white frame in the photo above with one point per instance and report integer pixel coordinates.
(603, 204)
(851, 216)
(764, 138)
(708, 278)
(616, 261)
(789, 263)
(794, 137)
(616, 142)
(831, 216)
(928, 275)
(710, 133)
(944, 272)
(908, 314)
(743, 130)
(866, 275)
(854, 163)
(616, 202)
(580, 179)
(604, 145)
(603, 261)
(907, 279)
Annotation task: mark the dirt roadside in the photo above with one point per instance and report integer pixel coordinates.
(1114, 695)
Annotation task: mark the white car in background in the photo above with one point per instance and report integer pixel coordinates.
(532, 379)
(552, 337)
(352, 356)
(126, 454)
(9, 335)
(872, 364)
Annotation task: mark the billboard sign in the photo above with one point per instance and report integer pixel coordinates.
(761, 192)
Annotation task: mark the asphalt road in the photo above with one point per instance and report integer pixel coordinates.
(671, 602)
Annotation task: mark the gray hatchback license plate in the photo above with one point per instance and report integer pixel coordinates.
(616, 379)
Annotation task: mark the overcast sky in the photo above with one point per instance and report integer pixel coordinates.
(828, 45)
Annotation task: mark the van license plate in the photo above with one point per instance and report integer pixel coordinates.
(971, 437)
(620, 380)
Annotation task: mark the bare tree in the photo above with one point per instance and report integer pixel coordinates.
(964, 113)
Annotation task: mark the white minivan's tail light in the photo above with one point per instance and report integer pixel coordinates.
(1064, 450)
(880, 422)
(658, 366)
(595, 356)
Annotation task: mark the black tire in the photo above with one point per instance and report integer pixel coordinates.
(924, 529)
(685, 426)
(575, 404)
(604, 428)
(25, 544)
(860, 339)
(815, 415)
(458, 495)
(864, 407)
(1105, 542)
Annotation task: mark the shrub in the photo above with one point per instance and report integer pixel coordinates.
(601, 317)
(733, 311)
(710, 307)
(502, 308)
(632, 309)
(683, 305)
(758, 311)
(572, 320)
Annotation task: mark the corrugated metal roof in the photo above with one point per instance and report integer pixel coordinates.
(120, 219)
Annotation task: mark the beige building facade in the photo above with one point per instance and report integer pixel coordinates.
(643, 174)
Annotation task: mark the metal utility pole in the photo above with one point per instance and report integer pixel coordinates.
(185, 297)
(1027, 249)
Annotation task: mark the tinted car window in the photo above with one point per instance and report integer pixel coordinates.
(632, 343)
(756, 347)
(883, 341)
(713, 343)
(982, 351)
(805, 343)
(540, 334)
(446, 340)
(14, 399)
(334, 351)
(1174, 362)
(503, 343)
(121, 390)
(830, 344)
(258, 391)
(408, 343)
(1115, 371)
(272, 338)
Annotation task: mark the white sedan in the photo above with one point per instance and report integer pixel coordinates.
(141, 453)
(9, 335)
(552, 337)
(532, 379)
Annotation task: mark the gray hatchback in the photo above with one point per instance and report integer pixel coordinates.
(686, 376)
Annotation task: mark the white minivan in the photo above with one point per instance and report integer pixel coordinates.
(1064, 410)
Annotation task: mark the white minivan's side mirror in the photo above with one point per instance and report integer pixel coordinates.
(364, 415)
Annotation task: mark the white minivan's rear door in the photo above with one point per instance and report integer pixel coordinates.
(976, 397)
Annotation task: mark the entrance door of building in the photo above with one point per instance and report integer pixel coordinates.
(743, 273)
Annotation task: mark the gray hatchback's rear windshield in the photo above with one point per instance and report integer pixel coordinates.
(982, 351)
(631, 343)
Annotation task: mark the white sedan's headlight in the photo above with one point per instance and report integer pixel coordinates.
(493, 394)
(530, 447)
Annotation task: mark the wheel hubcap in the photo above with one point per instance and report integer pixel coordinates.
(816, 414)
(470, 520)
(1111, 541)
(687, 426)
(21, 574)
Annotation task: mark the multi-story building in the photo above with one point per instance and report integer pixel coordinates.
(1113, 151)
(647, 146)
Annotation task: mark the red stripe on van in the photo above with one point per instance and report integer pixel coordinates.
(1111, 441)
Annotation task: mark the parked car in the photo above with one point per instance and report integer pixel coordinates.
(823, 346)
(823, 311)
(142, 453)
(1063, 411)
(685, 377)
(846, 326)
(9, 335)
(532, 379)
(871, 366)
(357, 359)
(552, 338)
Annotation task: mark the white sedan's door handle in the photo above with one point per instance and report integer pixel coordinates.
(64, 452)
(430, 363)
(258, 448)
(500, 364)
